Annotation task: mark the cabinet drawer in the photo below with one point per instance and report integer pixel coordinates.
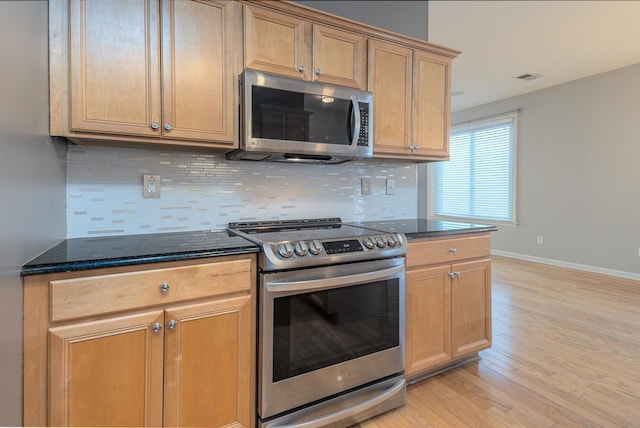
(448, 250)
(80, 297)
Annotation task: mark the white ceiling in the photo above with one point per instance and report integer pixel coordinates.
(560, 40)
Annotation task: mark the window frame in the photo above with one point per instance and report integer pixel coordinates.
(471, 125)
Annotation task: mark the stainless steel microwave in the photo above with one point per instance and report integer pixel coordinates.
(285, 119)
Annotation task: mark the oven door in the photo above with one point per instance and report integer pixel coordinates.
(327, 330)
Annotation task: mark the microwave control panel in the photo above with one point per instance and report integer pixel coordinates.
(363, 138)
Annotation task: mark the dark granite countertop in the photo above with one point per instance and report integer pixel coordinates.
(423, 228)
(101, 252)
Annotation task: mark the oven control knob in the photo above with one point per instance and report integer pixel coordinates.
(285, 250)
(368, 242)
(315, 248)
(301, 249)
(391, 241)
(381, 242)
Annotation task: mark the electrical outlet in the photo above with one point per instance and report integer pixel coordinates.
(365, 186)
(151, 186)
(391, 186)
(540, 240)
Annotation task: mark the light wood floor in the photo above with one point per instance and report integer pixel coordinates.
(566, 353)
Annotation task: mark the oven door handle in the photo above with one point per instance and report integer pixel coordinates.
(326, 283)
(349, 411)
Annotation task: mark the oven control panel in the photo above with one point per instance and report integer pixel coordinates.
(304, 249)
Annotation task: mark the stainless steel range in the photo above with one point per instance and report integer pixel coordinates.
(330, 322)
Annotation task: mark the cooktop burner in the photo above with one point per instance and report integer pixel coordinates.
(291, 244)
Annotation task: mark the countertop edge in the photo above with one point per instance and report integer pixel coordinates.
(129, 261)
(431, 234)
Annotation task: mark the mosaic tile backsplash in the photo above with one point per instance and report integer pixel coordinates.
(204, 191)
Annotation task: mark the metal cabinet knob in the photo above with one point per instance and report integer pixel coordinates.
(155, 125)
(164, 287)
(301, 69)
(172, 324)
(451, 275)
(157, 327)
(319, 72)
(454, 250)
(168, 126)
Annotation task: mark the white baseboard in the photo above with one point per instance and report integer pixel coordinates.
(587, 268)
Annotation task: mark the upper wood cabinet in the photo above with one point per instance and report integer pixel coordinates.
(291, 46)
(144, 71)
(411, 102)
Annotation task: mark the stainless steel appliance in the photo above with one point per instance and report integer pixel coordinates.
(285, 119)
(330, 322)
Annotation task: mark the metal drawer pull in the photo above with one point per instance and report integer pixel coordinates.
(157, 327)
(172, 324)
(454, 250)
(164, 287)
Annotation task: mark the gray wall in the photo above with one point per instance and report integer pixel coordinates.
(32, 179)
(578, 171)
(404, 17)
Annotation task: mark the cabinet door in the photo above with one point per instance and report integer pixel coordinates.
(390, 81)
(198, 70)
(209, 364)
(428, 322)
(471, 307)
(107, 373)
(114, 66)
(277, 43)
(339, 57)
(431, 104)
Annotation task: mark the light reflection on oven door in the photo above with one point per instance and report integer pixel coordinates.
(328, 330)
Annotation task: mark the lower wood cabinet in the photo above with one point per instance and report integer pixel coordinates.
(448, 301)
(189, 363)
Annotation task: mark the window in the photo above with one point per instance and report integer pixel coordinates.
(478, 182)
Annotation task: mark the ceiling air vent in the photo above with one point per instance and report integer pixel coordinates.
(528, 76)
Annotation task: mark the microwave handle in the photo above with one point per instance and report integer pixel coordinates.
(356, 128)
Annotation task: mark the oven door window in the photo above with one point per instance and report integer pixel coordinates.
(323, 328)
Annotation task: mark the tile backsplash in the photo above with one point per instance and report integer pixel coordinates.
(204, 191)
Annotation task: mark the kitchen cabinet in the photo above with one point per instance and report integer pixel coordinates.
(145, 71)
(448, 301)
(412, 91)
(288, 45)
(164, 344)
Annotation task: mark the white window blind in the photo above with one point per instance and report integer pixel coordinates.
(478, 182)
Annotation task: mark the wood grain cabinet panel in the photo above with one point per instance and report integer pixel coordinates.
(198, 70)
(448, 308)
(188, 363)
(279, 43)
(107, 372)
(390, 82)
(209, 364)
(471, 307)
(95, 295)
(428, 308)
(411, 102)
(145, 71)
(114, 66)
